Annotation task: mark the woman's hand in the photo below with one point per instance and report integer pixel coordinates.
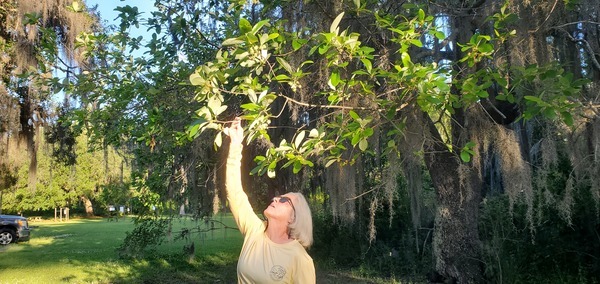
(235, 131)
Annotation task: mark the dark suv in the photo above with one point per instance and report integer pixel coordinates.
(13, 228)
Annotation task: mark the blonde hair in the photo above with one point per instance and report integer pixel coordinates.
(301, 228)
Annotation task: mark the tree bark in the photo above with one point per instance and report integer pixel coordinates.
(89, 208)
(456, 244)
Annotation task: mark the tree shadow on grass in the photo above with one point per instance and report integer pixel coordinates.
(215, 268)
(176, 268)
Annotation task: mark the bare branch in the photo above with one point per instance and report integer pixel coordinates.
(206, 39)
(577, 23)
(548, 17)
(336, 106)
(588, 48)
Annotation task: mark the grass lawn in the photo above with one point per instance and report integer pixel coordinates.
(85, 251)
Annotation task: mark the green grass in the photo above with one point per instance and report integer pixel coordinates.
(86, 251)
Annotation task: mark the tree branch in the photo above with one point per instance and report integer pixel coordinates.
(577, 23)
(548, 17)
(588, 48)
(206, 39)
(335, 106)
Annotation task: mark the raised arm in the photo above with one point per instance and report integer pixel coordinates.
(243, 214)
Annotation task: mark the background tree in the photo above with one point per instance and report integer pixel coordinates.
(97, 179)
(37, 38)
(140, 101)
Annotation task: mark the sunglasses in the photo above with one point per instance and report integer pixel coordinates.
(285, 199)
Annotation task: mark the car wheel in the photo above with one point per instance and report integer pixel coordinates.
(7, 236)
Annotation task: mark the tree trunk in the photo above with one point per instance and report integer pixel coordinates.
(456, 244)
(89, 208)
(27, 134)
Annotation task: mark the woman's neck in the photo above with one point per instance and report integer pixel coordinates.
(278, 232)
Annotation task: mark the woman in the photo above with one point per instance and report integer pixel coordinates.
(274, 251)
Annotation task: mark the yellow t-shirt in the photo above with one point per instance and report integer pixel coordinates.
(262, 260)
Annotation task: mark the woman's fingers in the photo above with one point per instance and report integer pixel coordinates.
(235, 131)
(237, 122)
(234, 128)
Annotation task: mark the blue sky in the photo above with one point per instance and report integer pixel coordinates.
(108, 14)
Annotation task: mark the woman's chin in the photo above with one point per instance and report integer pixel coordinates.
(267, 212)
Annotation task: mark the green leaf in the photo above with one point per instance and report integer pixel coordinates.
(219, 139)
(332, 98)
(282, 77)
(442, 85)
(259, 25)
(433, 100)
(439, 35)
(309, 163)
(549, 112)
(416, 42)
(192, 130)
(363, 144)
(288, 163)
(323, 48)
(285, 65)
(486, 48)
(334, 29)
(329, 163)
(313, 133)
(567, 118)
(251, 38)
(299, 139)
(421, 15)
(391, 144)
(465, 156)
(250, 106)
(367, 63)
(196, 79)
(244, 26)
(298, 43)
(355, 138)
(406, 61)
(213, 103)
(334, 79)
(534, 99)
(232, 41)
(297, 167)
(273, 165)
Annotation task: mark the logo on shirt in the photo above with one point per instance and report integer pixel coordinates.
(277, 272)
